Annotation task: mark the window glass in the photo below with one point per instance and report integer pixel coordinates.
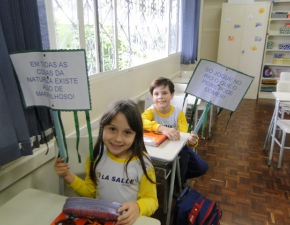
(66, 24)
(90, 35)
(107, 34)
(142, 31)
(128, 32)
(173, 27)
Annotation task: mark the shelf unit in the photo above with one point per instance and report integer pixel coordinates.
(273, 35)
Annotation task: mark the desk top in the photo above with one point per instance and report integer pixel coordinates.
(34, 207)
(182, 80)
(168, 150)
(190, 98)
(282, 96)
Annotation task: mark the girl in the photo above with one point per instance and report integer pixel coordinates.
(121, 171)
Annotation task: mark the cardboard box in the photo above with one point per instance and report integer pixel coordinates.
(279, 14)
(285, 30)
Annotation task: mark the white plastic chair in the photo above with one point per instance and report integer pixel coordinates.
(285, 76)
(148, 100)
(283, 86)
(284, 125)
(179, 87)
(176, 101)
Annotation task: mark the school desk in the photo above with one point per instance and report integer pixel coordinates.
(168, 152)
(181, 80)
(35, 207)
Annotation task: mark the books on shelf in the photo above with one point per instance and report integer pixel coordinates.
(269, 81)
(268, 87)
(153, 138)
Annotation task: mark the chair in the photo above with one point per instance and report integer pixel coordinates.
(179, 87)
(148, 100)
(285, 76)
(163, 169)
(177, 101)
(278, 124)
(284, 125)
(284, 86)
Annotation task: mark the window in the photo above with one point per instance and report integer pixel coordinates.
(115, 34)
(174, 31)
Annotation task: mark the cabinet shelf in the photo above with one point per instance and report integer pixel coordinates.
(280, 65)
(274, 36)
(270, 78)
(277, 50)
(277, 34)
(282, 1)
(281, 19)
(264, 94)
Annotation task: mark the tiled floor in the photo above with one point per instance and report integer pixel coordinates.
(246, 189)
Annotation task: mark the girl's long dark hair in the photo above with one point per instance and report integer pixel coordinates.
(132, 113)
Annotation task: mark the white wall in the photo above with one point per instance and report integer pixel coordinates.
(37, 171)
(34, 171)
(209, 29)
(132, 83)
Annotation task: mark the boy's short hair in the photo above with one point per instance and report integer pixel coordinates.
(161, 81)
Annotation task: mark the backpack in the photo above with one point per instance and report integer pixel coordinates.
(194, 209)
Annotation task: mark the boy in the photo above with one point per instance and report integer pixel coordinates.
(169, 120)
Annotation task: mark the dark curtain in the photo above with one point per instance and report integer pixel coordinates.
(21, 129)
(190, 11)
